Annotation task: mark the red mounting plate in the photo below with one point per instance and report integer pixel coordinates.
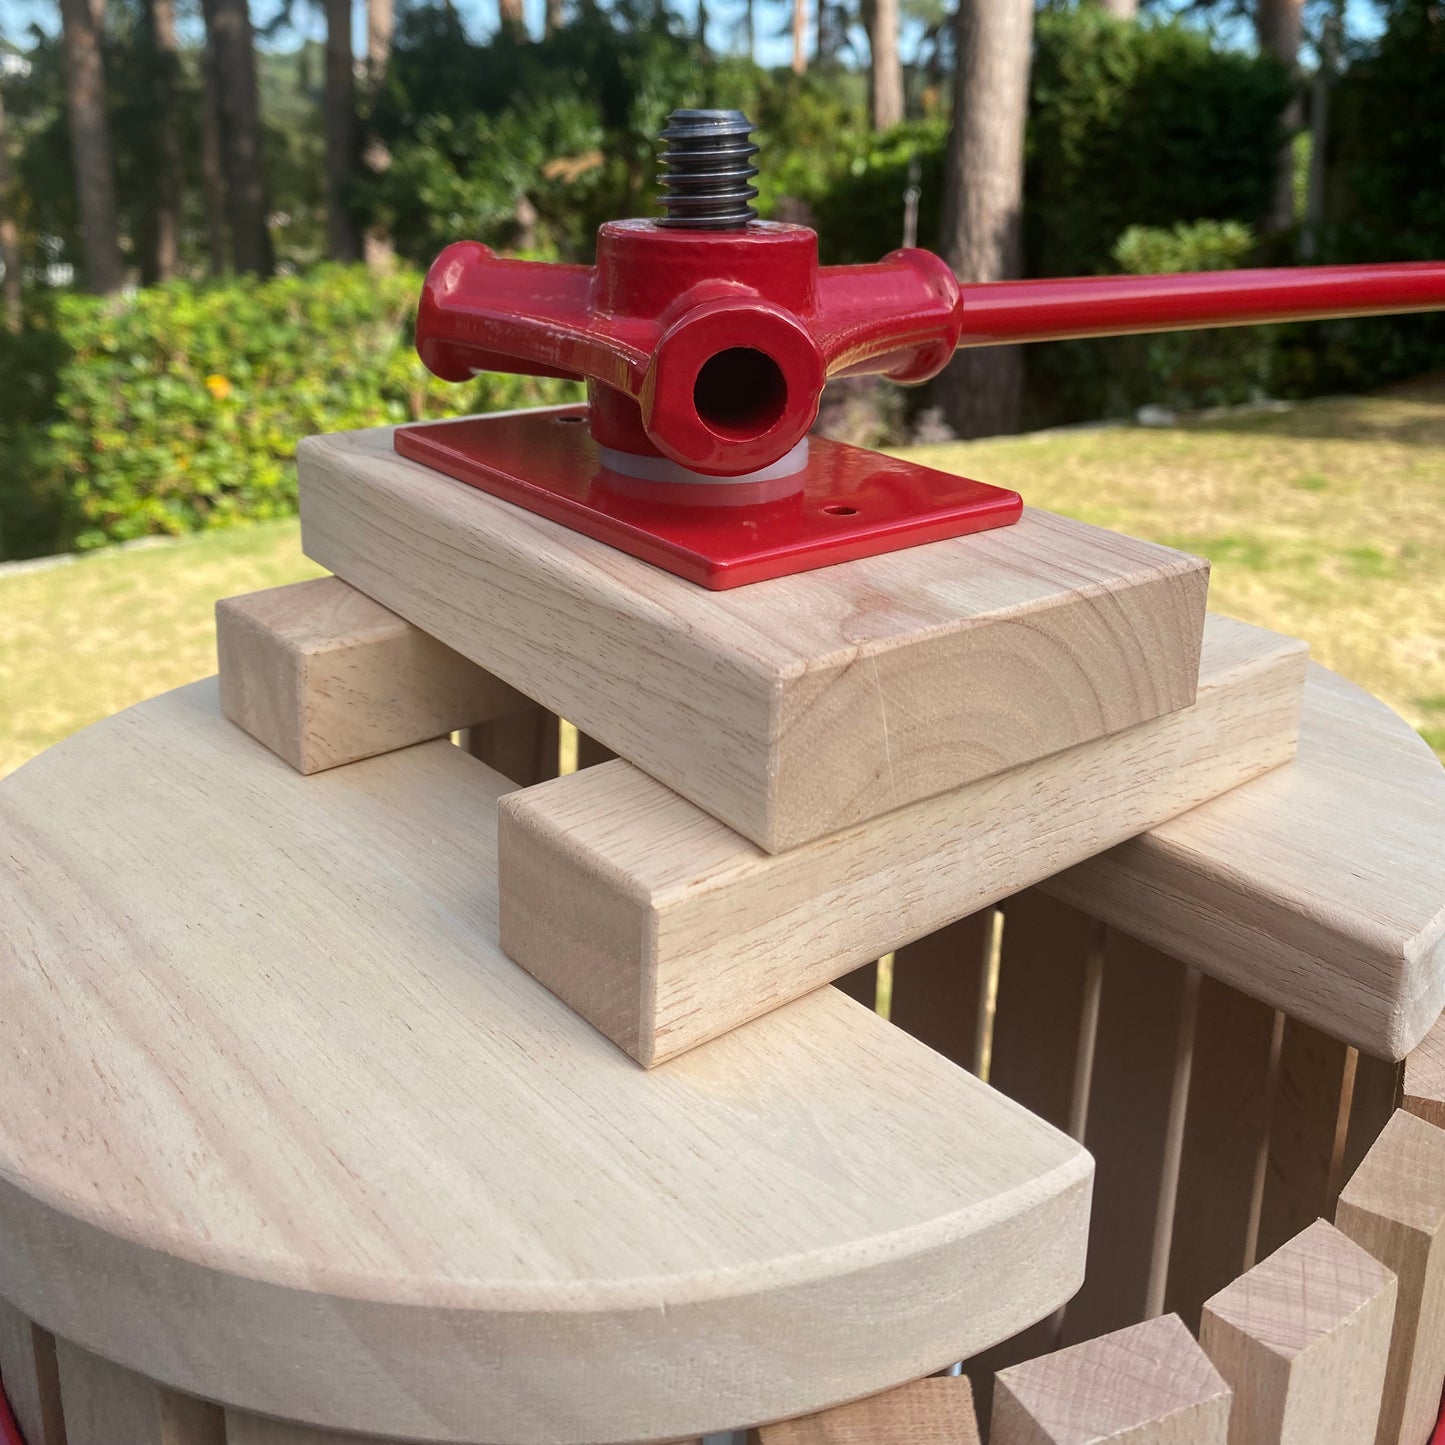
(854, 503)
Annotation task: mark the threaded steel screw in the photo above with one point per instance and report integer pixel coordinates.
(707, 184)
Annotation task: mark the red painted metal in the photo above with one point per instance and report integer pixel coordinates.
(9, 1430)
(853, 503)
(1438, 1438)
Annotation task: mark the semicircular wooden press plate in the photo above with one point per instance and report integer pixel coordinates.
(283, 1128)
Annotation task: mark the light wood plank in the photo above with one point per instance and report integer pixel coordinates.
(326, 1154)
(1424, 1082)
(1303, 1340)
(664, 928)
(1134, 1096)
(524, 747)
(246, 1429)
(937, 1411)
(108, 1405)
(1319, 889)
(31, 1377)
(1306, 1136)
(937, 989)
(1226, 1130)
(323, 675)
(1394, 1206)
(792, 708)
(1146, 1385)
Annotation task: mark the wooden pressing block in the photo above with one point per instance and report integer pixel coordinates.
(1147, 1385)
(936, 1411)
(322, 675)
(1303, 1340)
(791, 708)
(1394, 1206)
(285, 1130)
(1319, 889)
(665, 928)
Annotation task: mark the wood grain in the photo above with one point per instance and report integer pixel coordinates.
(1424, 1083)
(108, 1405)
(1146, 1385)
(323, 675)
(664, 928)
(30, 1377)
(246, 1429)
(285, 1130)
(792, 708)
(1319, 889)
(1303, 1340)
(927, 1412)
(1394, 1206)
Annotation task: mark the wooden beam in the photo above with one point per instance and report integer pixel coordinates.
(1394, 1206)
(935, 1411)
(1146, 1385)
(31, 1377)
(322, 676)
(106, 1404)
(1303, 1340)
(663, 928)
(1319, 889)
(792, 708)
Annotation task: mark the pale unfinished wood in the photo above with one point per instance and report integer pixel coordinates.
(1303, 1340)
(284, 1129)
(936, 1411)
(246, 1429)
(1319, 888)
(322, 675)
(1374, 1097)
(1424, 1083)
(1394, 1206)
(30, 1377)
(1146, 1385)
(938, 989)
(108, 1405)
(665, 928)
(792, 708)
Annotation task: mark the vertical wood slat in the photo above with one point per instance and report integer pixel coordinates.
(1304, 1137)
(243, 1428)
(1394, 1206)
(31, 1377)
(106, 1404)
(1226, 1130)
(1423, 1086)
(935, 1411)
(938, 985)
(1149, 1384)
(1374, 1097)
(1133, 1116)
(1304, 1340)
(525, 747)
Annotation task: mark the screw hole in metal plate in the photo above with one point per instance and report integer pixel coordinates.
(841, 511)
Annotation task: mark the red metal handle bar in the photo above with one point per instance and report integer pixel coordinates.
(1068, 309)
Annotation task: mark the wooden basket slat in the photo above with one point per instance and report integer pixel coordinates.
(938, 988)
(106, 1404)
(30, 1377)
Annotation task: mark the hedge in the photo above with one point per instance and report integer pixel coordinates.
(179, 408)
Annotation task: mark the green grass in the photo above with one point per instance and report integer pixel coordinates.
(1326, 522)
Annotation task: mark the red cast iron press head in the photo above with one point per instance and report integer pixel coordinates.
(705, 338)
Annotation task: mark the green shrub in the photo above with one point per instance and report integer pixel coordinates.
(179, 408)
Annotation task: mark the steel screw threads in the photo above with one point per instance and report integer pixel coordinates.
(707, 185)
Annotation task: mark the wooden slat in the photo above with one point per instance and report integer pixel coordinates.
(705, 931)
(1132, 1105)
(342, 1073)
(1146, 1385)
(1043, 1023)
(1424, 1083)
(1319, 889)
(936, 1411)
(323, 675)
(1305, 1138)
(792, 709)
(1374, 1097)
(1303, 1340)
(1394, 1206)
(938, 989)
(30, 1377)
(246, 1429)
(1226, 1129)
(108, 1405)
(524, 746)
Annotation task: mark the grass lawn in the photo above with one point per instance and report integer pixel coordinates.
(1326, 521)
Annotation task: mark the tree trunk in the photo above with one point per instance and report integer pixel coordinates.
(90, 146)
(509, 13)
(238, 112)
(1120, 9)
(885, 74)
(10, 299)
(163, 259)
(800, 36)
(343, 240)
(1279, 25)
(380, 27)
(982, 391)
(750, 29)
(1320, 131)
(213, 181)
(555, 17)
